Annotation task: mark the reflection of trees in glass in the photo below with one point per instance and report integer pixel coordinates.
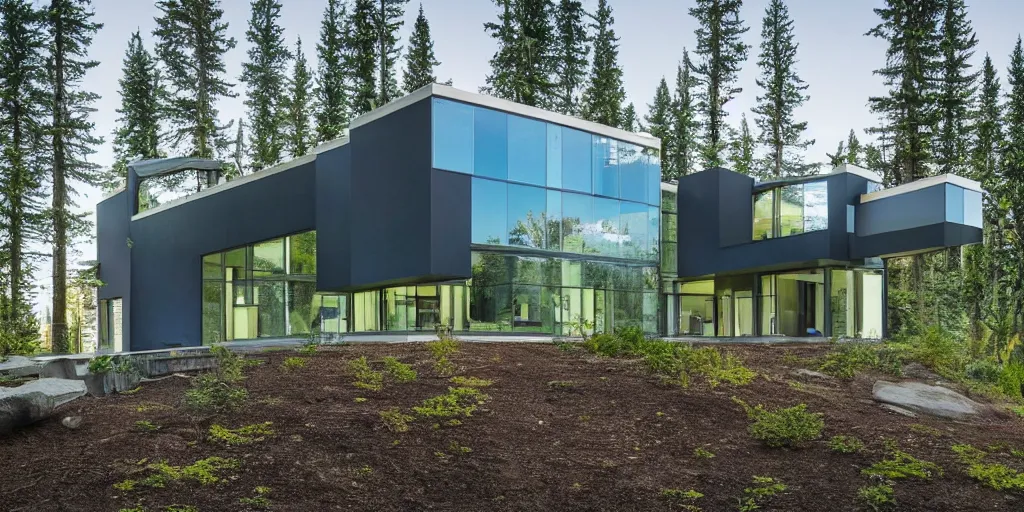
(302, 259)
(213, 312)
(271, 308)
(529, 233)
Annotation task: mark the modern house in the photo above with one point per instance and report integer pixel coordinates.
(452, 208)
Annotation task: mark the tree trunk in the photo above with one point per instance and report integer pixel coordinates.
(58, 326)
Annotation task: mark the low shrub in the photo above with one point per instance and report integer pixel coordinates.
(1011, 379)
(684, 499)
(204, 472)
(293, 363)
(471, 382)
(395, 420)
(789, 427)
(764, 489)
(899, 465)
(997, 476)
(260, 500)
(848, 359)
(245, 435)
(984, 370)
(146, 426)
(100, 365)
(877, 497)
(701, 453)
(398, 370)
(456, 402)
(444, 367)
(366, 377)
(446, 345)
(845, 444)
(211, 394)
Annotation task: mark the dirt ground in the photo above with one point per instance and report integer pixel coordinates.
(610, 438)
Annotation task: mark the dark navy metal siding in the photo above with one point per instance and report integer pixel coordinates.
(333, 216)
(112, 239)
(166, 256)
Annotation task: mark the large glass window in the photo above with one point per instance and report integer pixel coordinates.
(633, 173)
(554, 147)
(606, 166)
(791, 210)
(652, 161)
(576, 157)
(856, 303)
(490, 207)
(527, 150)
(553, 221)
(607, 239)
(302, 254)
(634, 230)
(453, 136)
(268, 258)
(490, 143)
(526, 207)
(577, 220)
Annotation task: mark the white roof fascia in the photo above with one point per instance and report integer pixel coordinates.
(859, 171)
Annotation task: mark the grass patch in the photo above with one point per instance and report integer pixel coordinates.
(203, 472)
(899, 465)
(293, 363)
(845, 444)
(848, 359)
(789, 427)
(763, 490)
(455, 403)
(395, 420)
(470, 382)
(146, 426)
(877, 497)
(259, 500)
(398, 370)
(997, 476)
(244, 435)
(701, 453)
(366, 377)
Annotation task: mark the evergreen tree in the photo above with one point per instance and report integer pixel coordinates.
(604, 94)
(988, 129)
(571, 56)
(387, 23)
(71, 30)
(853, 149)
(1013, 169)
(362, 56)
(22, 98)
(265, 80)
(912, 65)
(630, 122)
(238, 155)
(659, 124)
(191, 40)
(523, 65)
(957, 89)
(685, 141)
(741, 149)
(721, 53)
(137, 136)
(839, 157)
(783, 94)
(420, 61)
(298, 132)
(332, 106)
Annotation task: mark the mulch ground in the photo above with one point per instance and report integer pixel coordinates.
(610, 440)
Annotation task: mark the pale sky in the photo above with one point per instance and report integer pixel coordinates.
(836, 59)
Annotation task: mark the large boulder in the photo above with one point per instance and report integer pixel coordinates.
(20, 366)
(926, 399)
(34, 401)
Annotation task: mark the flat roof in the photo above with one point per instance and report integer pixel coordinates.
(932, 181)
(511, 107)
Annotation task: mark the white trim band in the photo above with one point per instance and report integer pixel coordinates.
(951, 179)
(859, 171)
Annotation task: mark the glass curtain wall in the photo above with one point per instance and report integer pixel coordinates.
(267, 290)
(857, 303)
(791, 210)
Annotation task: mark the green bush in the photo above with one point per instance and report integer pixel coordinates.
(789, 427)
(471, 382)
(763, 490)
(210, 394)
(984, 370)
(445, 346)
(100, 365)
(366, 377)
(244, 435)
(395, 420)
(938, 350)
(293, 363)
(1011, 379)
(456, 402)
(996, 476)
(845, 444)
(877, 497)
(898, 465)
(398, 370)
(848, 359)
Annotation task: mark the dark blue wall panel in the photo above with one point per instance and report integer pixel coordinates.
(166, 284)
(451, 222)
(112, 239)
(919, 208)
(333, 218)
(736, 208)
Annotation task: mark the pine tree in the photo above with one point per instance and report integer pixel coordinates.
(912, 65)
(420, 61)
(297, 129)
(958, 85)
(387, 23)
(571, 56)
(741, 149)
(1013, 167)
(630, 122)
(721, 53)
(604, 94)
(362, 56)
(783, 94)
(853, 149)
(839, 157)
(659, 124)
(22, 74)
(523, 65)
(685, 141)
(137, 135)
(988, 129)
(71, 30)
(333, 55)
(191, 41)
(238, 153)
(265, 80)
